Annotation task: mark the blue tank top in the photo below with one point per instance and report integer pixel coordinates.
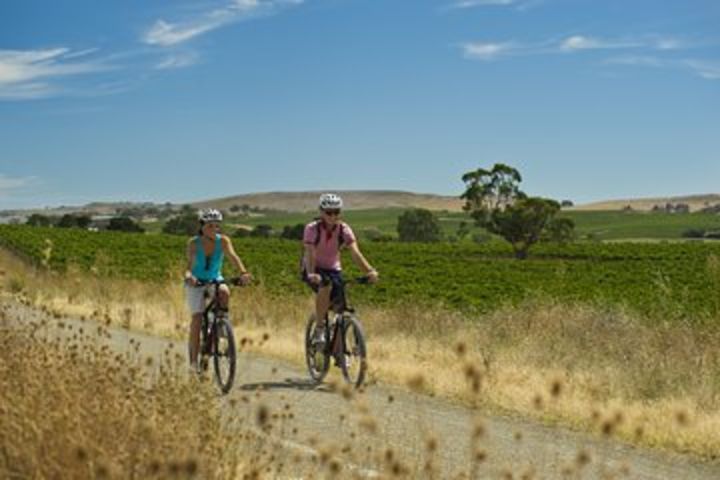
(208, 268)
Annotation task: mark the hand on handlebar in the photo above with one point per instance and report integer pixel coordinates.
(191, 281)
(245, 278)
(373, 276)
(314, 278)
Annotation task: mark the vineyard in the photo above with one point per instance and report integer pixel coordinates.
(666, 281)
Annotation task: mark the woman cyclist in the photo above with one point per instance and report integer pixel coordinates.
(205, 253)
(323, 239)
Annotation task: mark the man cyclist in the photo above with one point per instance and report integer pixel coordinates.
(205, 253)
(323, 239)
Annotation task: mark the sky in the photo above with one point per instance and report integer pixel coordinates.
(179, 100)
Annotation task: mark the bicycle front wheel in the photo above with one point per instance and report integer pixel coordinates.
(353, 360)
(224, 354)
(316, 355)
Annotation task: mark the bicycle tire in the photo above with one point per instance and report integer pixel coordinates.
(353, 362)
(317, 372)
(224, 351)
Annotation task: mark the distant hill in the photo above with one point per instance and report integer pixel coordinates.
(695, 202)
(353, 199)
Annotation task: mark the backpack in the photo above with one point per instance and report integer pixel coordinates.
(316, 241)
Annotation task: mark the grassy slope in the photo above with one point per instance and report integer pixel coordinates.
(611, 225)
(604, 225)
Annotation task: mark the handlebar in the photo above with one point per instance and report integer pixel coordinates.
(234, 281)
(364, 280)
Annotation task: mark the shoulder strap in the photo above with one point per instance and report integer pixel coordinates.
(318, 224)
(341, 234)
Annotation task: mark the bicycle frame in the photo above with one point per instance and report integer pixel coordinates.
(216, 326)
(338, 346)
(213, 306)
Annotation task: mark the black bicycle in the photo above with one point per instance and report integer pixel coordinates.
(217, 340)
(344, 340)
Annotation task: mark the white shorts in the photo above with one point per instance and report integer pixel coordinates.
(196, 298)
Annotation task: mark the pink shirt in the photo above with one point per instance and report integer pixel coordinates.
(327, 253)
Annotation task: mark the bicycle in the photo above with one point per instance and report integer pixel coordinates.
(216, 336)
(345, 341)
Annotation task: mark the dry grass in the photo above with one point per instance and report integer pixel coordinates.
(71, 409)
(599, 370)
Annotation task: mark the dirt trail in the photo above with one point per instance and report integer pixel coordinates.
(403, 423)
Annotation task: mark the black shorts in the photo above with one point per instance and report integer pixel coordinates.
(337, 296)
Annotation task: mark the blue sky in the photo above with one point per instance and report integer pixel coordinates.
(185, 100)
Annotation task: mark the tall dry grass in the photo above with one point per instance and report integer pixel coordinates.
(73, 409)
(600, 369)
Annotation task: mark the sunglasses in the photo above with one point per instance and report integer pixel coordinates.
(331, 212)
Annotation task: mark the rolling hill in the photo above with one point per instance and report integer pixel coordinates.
(695, 202)
(354, 200)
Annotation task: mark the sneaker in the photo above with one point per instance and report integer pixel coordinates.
(319, 337)
(202, 364)
(194, 370)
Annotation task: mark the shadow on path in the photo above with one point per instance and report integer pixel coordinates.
(302, 384)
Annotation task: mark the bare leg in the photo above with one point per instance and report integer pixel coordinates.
(195, 337)
(322, 303)
(224, 296)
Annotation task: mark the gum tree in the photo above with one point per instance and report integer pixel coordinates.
(494, 199)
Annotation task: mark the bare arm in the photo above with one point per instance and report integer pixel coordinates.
(309, 258)
(190, 254)
(362, 262)
(310, 264)
(229, 250)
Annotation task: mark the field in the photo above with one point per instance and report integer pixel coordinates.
(598, 225)
(617, 225)
(619, 325)
(674, 281)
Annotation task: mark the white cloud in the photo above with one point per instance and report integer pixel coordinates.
(707, 69)
(642, 51)
(638, 60)
(669, 44)
(480, 3)
(179, 60)
(12, 183)
(25, 74)
(166, 34)
(579, 42)
(485, 51)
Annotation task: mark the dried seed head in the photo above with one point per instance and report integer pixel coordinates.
(582, 458)
(556, 387)
(607, 427)
(416, 382)
(431, 444)
(682, 418)
(262, 415)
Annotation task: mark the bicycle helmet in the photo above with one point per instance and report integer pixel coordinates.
(330, 201)
(210, 215)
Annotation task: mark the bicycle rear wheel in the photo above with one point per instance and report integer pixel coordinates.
(354, 358)
(318, 361)
(224, 354)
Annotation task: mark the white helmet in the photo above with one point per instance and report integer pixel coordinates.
(210, 215)
(330, 201)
